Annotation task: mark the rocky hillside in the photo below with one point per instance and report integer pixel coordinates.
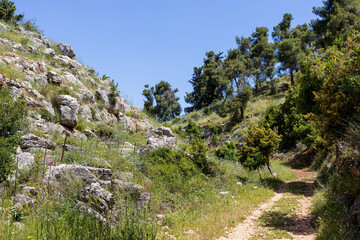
(67, 101)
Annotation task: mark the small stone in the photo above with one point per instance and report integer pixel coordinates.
(239, 184)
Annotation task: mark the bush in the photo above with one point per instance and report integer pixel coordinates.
(260, 143)
(203, 162)
(12, 114)
(103, 130)
(193, 131)
(171, 168)
(227, 152)
(45, 114)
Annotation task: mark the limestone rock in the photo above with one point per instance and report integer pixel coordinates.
(50, 52)
(127, 123)
(66, 50)
(155, 143)
(99, 198)
(161, 132)
(54, 78)
(69, 109)
(25, 160)
(102, 96)
(33, 141)
(86, 113)
(69, 173)
(41, 80)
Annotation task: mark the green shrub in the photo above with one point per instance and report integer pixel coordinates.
(193, 131)
(203, 162)
(260, 143)
(227, 152)
(104, 130)
(12, 114)
(45, 114)
(173, 169)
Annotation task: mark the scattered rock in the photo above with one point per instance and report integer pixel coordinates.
(239, 184)
(30, 191)
(33, 141)
(66, 50)
(54, 78)
(99, 198)
(50, 52)
(25, 160)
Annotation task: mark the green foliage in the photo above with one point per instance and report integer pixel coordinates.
(227, 152)
(237, 105)
(7, 12)
(167, 106)
(12, 113)
(336, 19)
(193, 131)
(46, 115)
(30, 25)
(173, 169)
(104, 131)
(198, 152)
(260, 143)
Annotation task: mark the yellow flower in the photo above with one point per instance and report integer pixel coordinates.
(29, 237)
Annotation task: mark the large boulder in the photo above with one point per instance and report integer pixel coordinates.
(69, 109)
(66, 50)
(32, 141)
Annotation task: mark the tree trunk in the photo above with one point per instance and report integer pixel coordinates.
(268, 166)
(292, 77)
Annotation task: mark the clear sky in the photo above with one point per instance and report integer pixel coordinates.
(138, 42)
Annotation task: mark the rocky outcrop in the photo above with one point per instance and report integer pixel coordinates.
(66, 50)
(69, 109)
(68, 173)
(159, 137)
(32, 141)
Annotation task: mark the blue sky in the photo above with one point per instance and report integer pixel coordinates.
(138, 42)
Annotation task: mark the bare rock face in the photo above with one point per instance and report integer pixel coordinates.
(69, 109)
(66, 50)
(33, 141)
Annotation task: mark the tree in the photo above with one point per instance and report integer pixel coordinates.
(262, 56)
(12, 113)
(196, 97)
(260, 143)
(291, 44)
(236, 105)
(7, 12)
(167, 105)
(336, 19)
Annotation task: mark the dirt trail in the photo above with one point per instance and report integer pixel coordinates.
(300, 229)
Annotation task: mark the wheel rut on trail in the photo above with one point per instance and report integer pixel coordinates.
(292, 225)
